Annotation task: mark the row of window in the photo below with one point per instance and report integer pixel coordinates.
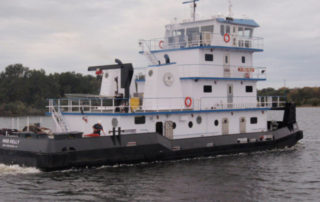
(208, 89)
(247, 32)
(209, 57)
(142, 120)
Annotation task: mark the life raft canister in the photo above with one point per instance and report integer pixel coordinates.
(161, 44)
(188, 101)
(226, 37)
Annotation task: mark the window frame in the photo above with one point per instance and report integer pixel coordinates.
(254, 120)
(139, 120)
(206, 55)
(243, 59)
(207, 88)
(248, 87)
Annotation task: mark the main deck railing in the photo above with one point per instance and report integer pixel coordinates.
(202, 39)
(107, 105)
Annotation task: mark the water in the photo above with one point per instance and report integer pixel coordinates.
(280, 175)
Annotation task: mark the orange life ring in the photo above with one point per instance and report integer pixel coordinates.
(226, 37)
(161, 44)
(188, 101)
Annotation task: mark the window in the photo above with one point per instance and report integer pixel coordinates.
(190, 124)
(140, 120)
(253, 120)
(193, 34)
(207, 89)
(226, 59)
(207, 28)
(240, 29)
(243, 59)
(248, 32)
(249, 89)
(179, 32)
(199, 120)
(208, 57)
(222, 30)
(228, 29)
(230, 89)
(216, 122)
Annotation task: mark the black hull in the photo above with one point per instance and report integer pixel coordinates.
(52, 154)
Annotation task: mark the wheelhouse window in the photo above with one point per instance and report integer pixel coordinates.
(207, 28)
(248, 32)
(222, 30)
(207, 89)
(240, 31)
(249, 89)
(243, 59)
(228, 29)
(179, 32)
(140, 120)
(208, 57)
(193, 34)
(253, 120)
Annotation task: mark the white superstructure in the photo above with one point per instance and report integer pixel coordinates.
(200, 82)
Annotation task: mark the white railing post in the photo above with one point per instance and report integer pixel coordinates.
(101, 104)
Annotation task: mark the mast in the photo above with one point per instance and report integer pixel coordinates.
(194, 6)
(230, 9)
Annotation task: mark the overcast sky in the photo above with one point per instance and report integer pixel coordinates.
(70, 35)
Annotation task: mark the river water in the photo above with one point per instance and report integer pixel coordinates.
(280, 175)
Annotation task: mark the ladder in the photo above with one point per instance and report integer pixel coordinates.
(151, 57)
(147, 52)
(59, 120)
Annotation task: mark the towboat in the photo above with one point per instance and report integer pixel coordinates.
(197, 97)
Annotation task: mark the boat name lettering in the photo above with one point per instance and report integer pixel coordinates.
(10, 141)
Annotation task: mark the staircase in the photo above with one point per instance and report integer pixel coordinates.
(59, 120)
(147, 52)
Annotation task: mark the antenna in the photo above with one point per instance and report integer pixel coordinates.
(194, 6)
(230, 9)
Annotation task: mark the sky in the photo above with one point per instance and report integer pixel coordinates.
(70, 35)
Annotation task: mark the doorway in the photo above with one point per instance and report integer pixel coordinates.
(159, 128)
(242, 125)
(226, 65)
(225, 126)
(230, 95)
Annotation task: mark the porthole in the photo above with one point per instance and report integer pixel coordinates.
(150, 73)
(199, 120)
(216, 122)
(190, 124)
(174, 125)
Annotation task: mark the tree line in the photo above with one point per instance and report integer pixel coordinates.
(306, 96)
(26, 92)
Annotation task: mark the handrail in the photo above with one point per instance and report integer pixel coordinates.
(118, 105)
(201, 39)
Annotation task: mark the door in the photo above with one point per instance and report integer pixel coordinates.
(159, 128)
(225, 126)
(226, 65)
(168, 129)
(230, 95)
(242, 125)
